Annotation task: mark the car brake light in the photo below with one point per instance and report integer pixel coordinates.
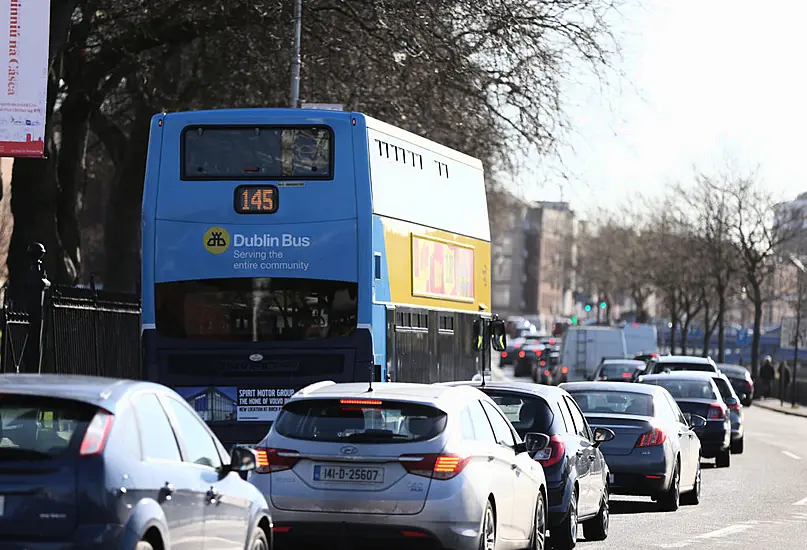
(504, 355)
(359, 402)
(435, 466)
(543, 363)
(564, 369)
(551, 341)
(97, 434)
(538, 353)
(626, 375)
(275, 460)
(521, 354)
(716, 412)
(735, 406)
(546, 372)
(552, 453)
(652, 438)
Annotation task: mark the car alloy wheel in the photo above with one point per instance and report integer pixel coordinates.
(488, 539)
(539, 531)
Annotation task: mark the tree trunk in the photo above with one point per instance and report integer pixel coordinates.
(674, 322)
(721, 325)
(685, 335)
(708, 328)
(122, 227)
(756, 297)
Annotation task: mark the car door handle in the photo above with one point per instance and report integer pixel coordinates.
(579, 452)
(212, 495)
(514, 466)
(591, 457)
(167, 490)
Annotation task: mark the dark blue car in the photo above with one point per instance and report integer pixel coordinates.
(575, 469)
(96, 463)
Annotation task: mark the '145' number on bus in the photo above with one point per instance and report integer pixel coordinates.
(262, 199)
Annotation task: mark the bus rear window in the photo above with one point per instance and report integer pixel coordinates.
(245, 153)
(256, 310)
(360, 421)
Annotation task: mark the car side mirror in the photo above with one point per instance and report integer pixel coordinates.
(601, 435)
(498, 335)
(535, 442)
(696, 421)
(520, 448)
(243, 459)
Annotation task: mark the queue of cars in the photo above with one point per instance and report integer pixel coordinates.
(458, 465)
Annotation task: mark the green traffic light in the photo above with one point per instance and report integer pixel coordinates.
(603, 305)
(588, 307)
(574, 320)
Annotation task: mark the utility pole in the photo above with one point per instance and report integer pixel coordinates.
(799, 299)
(296, 61)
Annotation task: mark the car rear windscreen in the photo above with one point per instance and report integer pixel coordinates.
(526, 413)
(360, 421)
(687, 389)
(725, 389)
(672, 367)
(616, 370)
(33, 427)
(614, 402)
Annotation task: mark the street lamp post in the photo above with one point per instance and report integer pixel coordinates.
(296, 57)
(799, 297)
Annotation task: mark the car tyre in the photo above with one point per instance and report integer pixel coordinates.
(737, 446)
(597, 527)
(259, 540)
(723, 459)
(747, 402)
(693, 497)
(670, 500)
(564, 536)
(144, 545)
(487, 537)
(538, 541)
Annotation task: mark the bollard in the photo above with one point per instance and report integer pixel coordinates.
(36, 291)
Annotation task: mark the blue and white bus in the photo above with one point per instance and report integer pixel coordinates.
(283, 247)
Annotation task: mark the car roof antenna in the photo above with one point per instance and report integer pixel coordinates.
(372, 375)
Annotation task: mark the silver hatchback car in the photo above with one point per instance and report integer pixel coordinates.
(400, 466)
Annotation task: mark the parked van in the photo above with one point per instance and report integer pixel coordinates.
(641, 338)
(585, 346)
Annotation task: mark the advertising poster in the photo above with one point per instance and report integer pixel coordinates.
(23, 94)
(442, 270)
(228, 404)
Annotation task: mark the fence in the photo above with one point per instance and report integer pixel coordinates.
(68, 330)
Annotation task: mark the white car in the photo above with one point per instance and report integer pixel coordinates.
(400, 466)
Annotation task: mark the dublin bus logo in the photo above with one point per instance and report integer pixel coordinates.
(216, 240)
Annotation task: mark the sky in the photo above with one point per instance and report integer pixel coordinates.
(704, 82)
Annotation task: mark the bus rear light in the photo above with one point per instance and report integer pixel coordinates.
(275, 460)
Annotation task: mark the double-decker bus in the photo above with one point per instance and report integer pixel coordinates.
(282, 247)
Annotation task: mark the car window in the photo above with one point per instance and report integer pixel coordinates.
(360, 420)
(199, 445)
(159, 441)
(482, 429)
(502, 431)
(526, 413)
(724, 388)
(618, 370)
(613, 402)
(40, 427)
(566, 416)
(125, 435)
(664, 411)
(674, 367)
(579, 421)
(686, 389)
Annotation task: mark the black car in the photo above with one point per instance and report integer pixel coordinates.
(618, 370)
(97, 463)
(576, 472)
(740, 379)
(529, 356)
(697, 394)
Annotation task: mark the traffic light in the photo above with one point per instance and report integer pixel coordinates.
(603, 305)
(588, 307)
(574, 320)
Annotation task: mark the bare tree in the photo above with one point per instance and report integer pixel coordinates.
(758, 240)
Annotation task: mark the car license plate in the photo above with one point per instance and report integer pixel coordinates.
(611, 478)
(348, 474)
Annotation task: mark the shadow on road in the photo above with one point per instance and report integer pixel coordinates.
(622, 507)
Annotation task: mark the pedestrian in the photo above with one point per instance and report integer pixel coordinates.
(767, 374)
(785, 375)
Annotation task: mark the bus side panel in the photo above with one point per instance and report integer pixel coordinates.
(366, 264)
(381, 293)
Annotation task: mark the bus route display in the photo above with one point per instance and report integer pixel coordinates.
(256, 199)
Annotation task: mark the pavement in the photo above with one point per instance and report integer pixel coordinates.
(776, 406)
(760, 502)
